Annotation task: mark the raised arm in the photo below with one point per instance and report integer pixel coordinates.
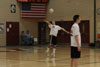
(65, 30)
(47, 22)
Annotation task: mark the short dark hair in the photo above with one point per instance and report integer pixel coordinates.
(76, 17)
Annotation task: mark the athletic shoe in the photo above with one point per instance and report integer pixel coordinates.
(53, 55)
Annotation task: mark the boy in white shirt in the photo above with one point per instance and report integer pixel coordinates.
(54, 29)
(75, 42)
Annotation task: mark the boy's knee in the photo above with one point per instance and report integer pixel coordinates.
(54, 46)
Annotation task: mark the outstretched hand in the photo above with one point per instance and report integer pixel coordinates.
(44, 20)
(71, 34)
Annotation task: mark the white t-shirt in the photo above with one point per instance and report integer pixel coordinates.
(75, 30)
(54, 29)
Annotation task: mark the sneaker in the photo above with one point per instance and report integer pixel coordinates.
(53, 55)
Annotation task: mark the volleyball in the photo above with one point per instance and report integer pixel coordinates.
(51, 10)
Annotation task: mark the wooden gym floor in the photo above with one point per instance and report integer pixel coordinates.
(36, 57)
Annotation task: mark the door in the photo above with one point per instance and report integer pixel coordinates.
(84, 29)
(12, 33)
(62, 36)
(42, 32)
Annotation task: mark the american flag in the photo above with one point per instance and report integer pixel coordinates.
(33, 10)
(22, 0)
(38, 1)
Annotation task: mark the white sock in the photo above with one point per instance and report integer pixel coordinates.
(54, 50)
(48, 49)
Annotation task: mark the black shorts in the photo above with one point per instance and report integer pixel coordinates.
(75, 53)
(53, 40)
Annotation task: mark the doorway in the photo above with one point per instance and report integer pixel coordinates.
(12, 33)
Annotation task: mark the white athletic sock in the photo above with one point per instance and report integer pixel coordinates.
(48, 49)
(54, 50)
